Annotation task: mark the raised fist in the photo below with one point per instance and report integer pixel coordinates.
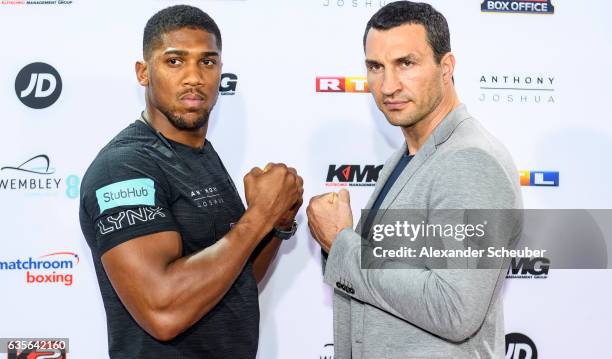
(276, 191)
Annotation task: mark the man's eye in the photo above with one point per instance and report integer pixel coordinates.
(374, 67)
(208, 62)
(407, 63)
(174, 61)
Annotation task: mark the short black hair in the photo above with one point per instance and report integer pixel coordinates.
(174, 18)
(407, 12)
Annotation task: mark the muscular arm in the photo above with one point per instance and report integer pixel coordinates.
(167, 293)
(267, 249)
(263, 256)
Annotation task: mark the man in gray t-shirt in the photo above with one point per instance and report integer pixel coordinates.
(177, 255)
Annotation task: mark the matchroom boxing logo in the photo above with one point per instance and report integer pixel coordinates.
(518, 6)
(52, 268)
(38, 85)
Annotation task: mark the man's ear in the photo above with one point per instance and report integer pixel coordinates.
(142, 73)
(447, 62)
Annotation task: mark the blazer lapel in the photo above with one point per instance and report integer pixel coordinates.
(385, 173)
(438, 136)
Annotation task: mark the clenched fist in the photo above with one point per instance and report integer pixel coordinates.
(275, 191)
(328, 214)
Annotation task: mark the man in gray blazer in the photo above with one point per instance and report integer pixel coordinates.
(449, 161)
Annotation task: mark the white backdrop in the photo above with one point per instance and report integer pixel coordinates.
(278, 49)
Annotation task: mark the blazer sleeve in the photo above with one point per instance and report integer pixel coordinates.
(450, 303)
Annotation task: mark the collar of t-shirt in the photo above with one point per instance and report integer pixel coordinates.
(205, 149)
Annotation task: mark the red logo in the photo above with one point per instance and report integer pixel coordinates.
(342, 84)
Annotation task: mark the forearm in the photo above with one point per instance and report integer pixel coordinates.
(191, 286)
(451, 303)
(264, 255)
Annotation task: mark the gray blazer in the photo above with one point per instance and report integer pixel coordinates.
(423, 312)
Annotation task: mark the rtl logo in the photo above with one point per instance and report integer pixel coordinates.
(352, 175)
(342, 84)
(539, 178)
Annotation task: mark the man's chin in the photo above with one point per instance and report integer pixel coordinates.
(189, 121)
(399, 120)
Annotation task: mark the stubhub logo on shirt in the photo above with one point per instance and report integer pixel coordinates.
(138, 191)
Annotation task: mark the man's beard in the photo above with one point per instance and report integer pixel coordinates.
(180, 123)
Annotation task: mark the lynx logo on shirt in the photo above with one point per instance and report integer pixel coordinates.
(129, 218)
(134, 192)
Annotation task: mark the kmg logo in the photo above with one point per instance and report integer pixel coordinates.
(352, 175)
(38, 85)
(342, 84)
(539, 178)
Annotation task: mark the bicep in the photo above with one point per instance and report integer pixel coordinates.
(136, 269)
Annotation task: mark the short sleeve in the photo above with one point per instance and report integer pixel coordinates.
(124, 195)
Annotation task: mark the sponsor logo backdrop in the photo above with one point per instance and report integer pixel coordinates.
(534, 72)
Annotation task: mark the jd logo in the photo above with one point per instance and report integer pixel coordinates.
(38, 85)
(520, 346)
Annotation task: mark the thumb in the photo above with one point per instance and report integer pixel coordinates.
(344, 196)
